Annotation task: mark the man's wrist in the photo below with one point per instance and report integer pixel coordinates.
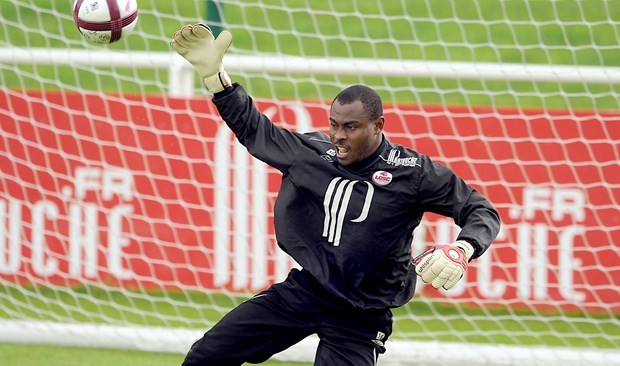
(466, 248)
(217, 82)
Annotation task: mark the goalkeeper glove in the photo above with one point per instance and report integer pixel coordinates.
(444, 265)
(198, 46)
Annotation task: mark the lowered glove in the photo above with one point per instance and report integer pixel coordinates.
(443, 265)
(198, 46)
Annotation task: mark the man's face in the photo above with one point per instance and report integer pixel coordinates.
(353, 135)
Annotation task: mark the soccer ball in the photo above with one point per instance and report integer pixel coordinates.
(105, 21)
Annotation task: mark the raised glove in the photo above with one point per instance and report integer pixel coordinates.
(198, 46)
(443, 265)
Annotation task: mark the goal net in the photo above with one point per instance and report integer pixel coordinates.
(130, 218)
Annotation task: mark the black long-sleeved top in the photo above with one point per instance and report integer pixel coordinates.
(352, 227)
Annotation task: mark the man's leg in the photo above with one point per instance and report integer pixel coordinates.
(354, 338)
(340, 352)
(251, 332)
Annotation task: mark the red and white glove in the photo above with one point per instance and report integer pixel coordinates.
(198, 46)
(444, 265)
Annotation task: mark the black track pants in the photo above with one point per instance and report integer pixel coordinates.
(286, 313)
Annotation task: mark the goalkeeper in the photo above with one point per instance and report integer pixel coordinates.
(346, 211)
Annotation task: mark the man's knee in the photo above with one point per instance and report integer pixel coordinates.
(200, 354)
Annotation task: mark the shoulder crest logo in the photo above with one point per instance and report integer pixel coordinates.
(382, 178)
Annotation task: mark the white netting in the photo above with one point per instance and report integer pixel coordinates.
(120, 214)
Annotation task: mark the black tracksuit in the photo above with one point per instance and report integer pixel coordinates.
(350, 228)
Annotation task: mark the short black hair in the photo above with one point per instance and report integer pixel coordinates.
(373, 106)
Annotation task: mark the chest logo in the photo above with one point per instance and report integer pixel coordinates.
(337, 197)
(382, 178)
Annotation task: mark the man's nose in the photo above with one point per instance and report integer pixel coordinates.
(339, 134)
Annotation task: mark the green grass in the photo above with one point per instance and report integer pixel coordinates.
(37, 355)
(565, 32)
(421, 321)
(418, 320)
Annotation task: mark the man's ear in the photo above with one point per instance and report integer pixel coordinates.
(379, 123)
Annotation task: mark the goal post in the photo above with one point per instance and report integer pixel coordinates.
(130, 218)
(182, 77)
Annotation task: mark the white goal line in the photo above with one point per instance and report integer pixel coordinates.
(178, 340)
(182, 75)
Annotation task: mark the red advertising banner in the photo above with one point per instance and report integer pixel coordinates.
(155, 192)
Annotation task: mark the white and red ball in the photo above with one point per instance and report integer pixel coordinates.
(105, 21)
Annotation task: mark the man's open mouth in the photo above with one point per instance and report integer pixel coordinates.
(341, 151)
